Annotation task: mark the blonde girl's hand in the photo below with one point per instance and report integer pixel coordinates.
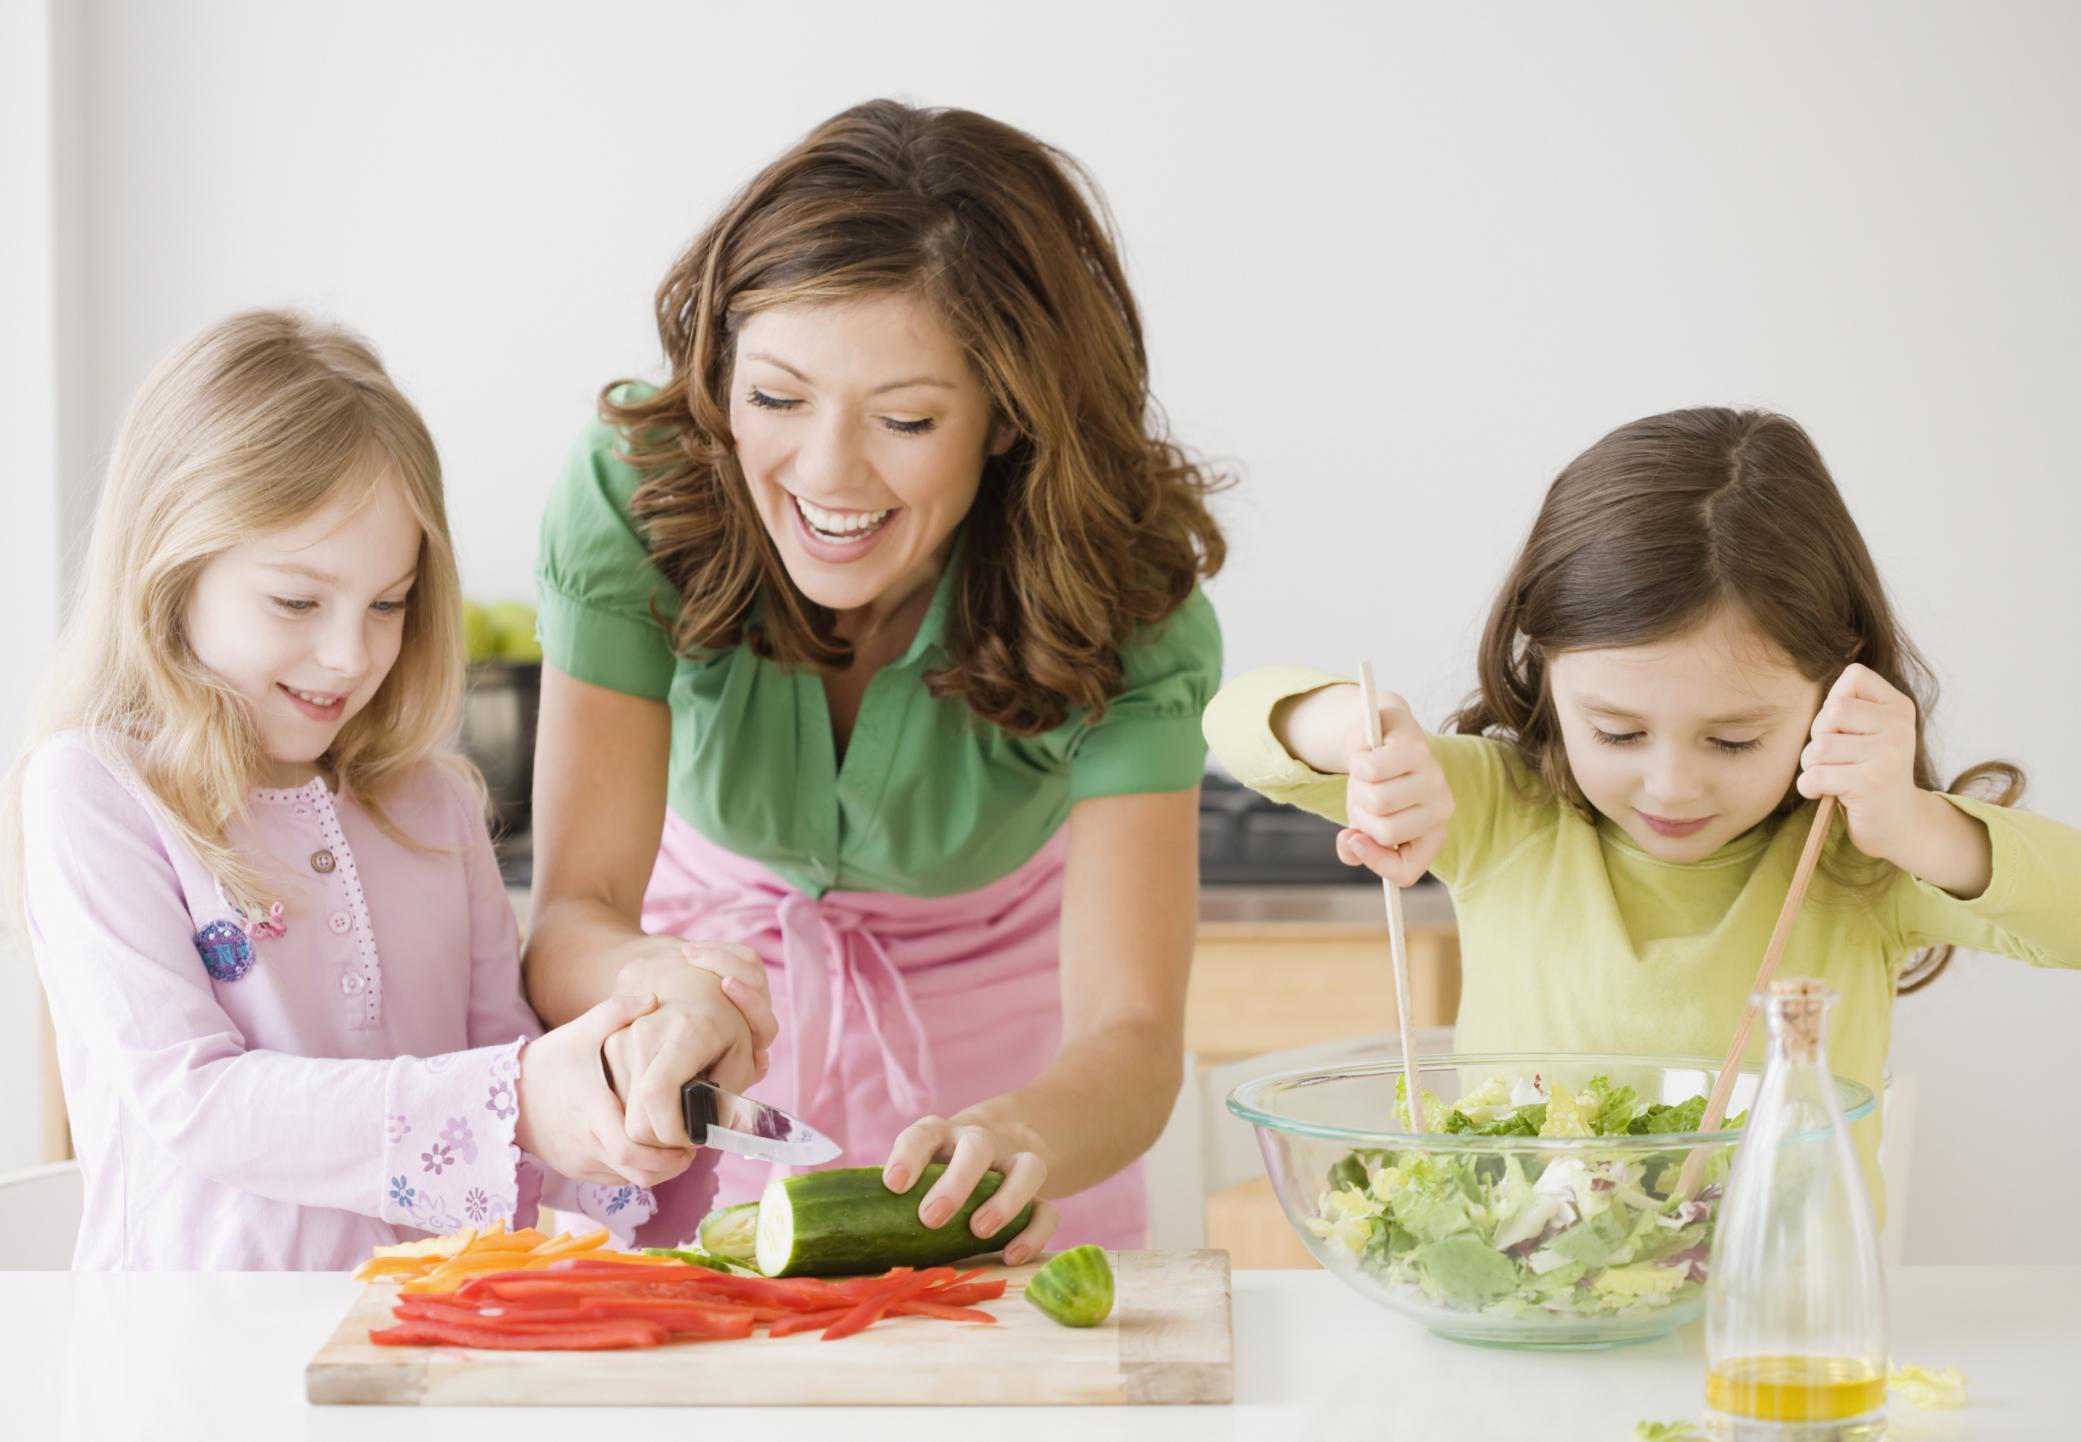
(714, 1018)
(969, 1149)
(1397, 802)
(570, 1119)
(1863, 754)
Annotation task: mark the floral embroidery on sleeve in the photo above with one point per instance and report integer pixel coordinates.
(449, 1157)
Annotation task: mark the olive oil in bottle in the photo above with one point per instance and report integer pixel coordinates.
(1795, 1301)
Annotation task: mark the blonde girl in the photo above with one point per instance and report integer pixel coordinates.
(259, 890)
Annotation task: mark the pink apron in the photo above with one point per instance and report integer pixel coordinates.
(892, 1007)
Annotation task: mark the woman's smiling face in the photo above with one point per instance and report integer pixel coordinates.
(862, 433)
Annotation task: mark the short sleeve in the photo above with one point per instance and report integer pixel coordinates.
(604, 605)
(1149, 737)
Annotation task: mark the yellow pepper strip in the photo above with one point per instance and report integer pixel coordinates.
(571, 1246)
(441, 1264)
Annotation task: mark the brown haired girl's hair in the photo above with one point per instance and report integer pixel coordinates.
(1091, 524)
(1659, 524)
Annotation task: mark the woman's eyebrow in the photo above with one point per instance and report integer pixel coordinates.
(905, 384)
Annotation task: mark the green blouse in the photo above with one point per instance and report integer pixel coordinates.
(930, 800)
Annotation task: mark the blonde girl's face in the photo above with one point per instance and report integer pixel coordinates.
(862, 433)
(306, 622)
(1685, 743)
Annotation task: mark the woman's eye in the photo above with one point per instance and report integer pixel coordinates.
(907, 428)
(770, 403)
(1616, 738)
(389, 608)
(1737, 747)
(295, 606)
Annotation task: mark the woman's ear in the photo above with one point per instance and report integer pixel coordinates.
(1002, 437)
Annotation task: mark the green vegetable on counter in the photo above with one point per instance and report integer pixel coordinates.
(695, 1257)
(731, 1232)
(1075, 1287)
(1519, 1233)
(846, 1222)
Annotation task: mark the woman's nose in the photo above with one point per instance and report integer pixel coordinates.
(829, 460)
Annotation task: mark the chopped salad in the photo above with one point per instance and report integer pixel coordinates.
(1519, 1234)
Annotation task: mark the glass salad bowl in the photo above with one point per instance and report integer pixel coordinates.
(1535, 1210)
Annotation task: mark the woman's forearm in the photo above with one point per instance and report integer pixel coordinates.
(577, 950)
(1101, 1103)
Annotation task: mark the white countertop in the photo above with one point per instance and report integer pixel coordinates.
(220, 1356)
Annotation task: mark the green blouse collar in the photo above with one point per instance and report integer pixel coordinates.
(932, 629)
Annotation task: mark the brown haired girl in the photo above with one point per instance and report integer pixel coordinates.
(1691, 648)
(874, 647)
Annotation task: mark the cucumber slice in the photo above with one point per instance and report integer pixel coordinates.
(845, 1223)
(1075, 1287)
(729, 1232)
(695, 1257)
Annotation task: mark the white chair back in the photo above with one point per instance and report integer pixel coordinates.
(39, 1217)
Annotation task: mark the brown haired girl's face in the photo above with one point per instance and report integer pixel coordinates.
(1685, 743)
(305, 622)
(862, 434)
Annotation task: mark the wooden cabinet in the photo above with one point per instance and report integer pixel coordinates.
(1280, 968)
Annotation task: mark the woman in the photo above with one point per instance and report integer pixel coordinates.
(873, 644)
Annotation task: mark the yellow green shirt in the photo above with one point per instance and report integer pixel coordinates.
(1574, 939)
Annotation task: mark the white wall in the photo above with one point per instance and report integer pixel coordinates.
(31, 40)
(1400, 262)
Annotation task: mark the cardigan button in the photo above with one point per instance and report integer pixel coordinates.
(322, 861)
(340, 923)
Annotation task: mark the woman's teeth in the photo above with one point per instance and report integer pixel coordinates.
(841, 525)
(316, 698)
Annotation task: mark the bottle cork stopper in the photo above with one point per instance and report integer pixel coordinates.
(1800, 1006)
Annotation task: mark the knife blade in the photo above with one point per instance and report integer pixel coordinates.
(722, 1119)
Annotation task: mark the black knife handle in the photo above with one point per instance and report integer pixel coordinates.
(697, 1102)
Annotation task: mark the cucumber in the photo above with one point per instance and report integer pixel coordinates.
(694, 1257)
(1075, 1287)
(729, 1232)
(845, 1223)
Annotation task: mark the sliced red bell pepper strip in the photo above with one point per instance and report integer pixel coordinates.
(896, 1288)
(919, 1308)
(969, 1293)
(805, 1322)
(590, 1337)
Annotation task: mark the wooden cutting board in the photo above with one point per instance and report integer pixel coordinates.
(1168, 1340)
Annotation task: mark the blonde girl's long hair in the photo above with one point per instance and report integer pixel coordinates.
(251, 426)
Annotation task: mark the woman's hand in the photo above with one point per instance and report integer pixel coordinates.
(570, 1119)
(714, 1018)
(969, 1149)
(1397, 802)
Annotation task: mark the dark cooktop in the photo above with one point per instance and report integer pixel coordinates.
(1244, 840)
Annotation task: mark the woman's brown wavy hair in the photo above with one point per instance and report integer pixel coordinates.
(1093, 523)
(1663, 522)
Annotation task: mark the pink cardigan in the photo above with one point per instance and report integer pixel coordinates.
(250, 1097)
